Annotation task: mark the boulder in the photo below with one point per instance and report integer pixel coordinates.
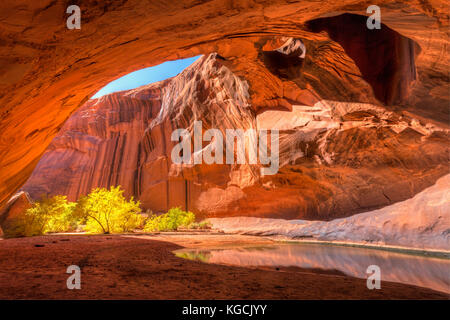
(13, 210)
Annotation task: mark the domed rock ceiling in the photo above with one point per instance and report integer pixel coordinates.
(362, 114)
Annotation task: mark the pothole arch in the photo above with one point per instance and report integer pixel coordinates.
(385, 57)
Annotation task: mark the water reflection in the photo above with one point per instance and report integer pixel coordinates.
(422, 271)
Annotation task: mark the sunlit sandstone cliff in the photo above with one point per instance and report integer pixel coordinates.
(98, 145)
(48, 72)
(336, 158)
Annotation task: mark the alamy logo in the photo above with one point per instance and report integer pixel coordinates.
(74, 20)
(374, 21)
(236, 142)
(74, 281)
(374, 280)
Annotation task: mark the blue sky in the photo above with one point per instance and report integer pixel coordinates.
(145, 76)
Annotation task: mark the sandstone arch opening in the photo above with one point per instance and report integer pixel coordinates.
(101, 144)
(146, 76)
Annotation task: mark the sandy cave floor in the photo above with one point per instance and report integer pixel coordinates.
(144, 267)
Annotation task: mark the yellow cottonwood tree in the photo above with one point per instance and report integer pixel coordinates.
(107, 211)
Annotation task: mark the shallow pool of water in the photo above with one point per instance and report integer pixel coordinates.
(423, 271)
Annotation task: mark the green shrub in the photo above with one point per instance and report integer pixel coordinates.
(107, 211)
(169, 221)
(46, 215)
